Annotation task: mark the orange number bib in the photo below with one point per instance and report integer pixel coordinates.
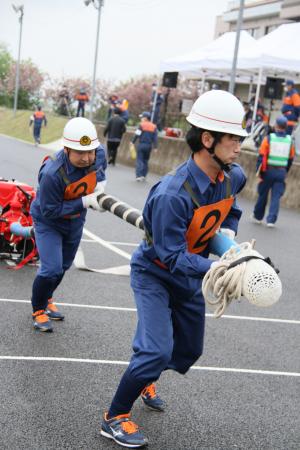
(205, 222)
(79, 188)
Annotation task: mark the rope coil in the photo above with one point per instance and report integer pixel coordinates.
(241, 271)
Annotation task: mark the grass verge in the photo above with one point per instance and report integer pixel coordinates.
(18, 126)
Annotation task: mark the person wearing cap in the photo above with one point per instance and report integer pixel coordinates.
(37, 120)
(291, 105)
(69, 182)
(182, 213)
(146, 135)
(275, 158)
(123, 106)
(82, 99)
(114, 131)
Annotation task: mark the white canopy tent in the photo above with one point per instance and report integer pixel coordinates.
(274, 54)
(214, 60)
(277, 55)
(278, 50)
(216, 56)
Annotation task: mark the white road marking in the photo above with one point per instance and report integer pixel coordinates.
(125, 244)
(119, 308)
(122, 244)
(125, 363)
(106, 244)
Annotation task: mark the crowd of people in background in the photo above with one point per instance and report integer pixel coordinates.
(274, 144)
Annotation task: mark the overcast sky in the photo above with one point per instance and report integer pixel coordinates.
(135, 35)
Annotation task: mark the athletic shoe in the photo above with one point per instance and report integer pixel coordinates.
(41, 321)
(140, 179)
(255, 220)
(151, 399)
(123, 431)
(52, 311)
(270, 225)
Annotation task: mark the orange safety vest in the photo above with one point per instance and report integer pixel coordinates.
(84, 186)
(207, 219)
(39, 115)
(205, 222)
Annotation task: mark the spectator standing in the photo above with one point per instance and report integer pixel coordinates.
(248, 116)
(123, 106)
(146, 135)
(291, 106)
(64, 102)
(82, 99)
(37, 120)
(157, 99)
(114, 131)
(275, 158)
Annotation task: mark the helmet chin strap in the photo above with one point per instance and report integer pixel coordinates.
(211, 151)
(225, 167)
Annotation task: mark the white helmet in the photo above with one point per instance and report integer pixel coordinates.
(218, 110)
(80, 134)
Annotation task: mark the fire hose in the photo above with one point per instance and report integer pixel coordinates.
(241, 271)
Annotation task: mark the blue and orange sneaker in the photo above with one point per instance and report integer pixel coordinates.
(151, 399)
(52, 311)
(123, 431)
(41, 321)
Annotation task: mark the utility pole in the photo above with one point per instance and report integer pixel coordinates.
(18, 9)
(98, 5)
(236, 48)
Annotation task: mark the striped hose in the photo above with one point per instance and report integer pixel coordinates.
(121, 209)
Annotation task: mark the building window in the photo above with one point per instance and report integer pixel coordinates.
(270, 28)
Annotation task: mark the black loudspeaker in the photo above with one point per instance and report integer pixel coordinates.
(170, 79)
(274, 88)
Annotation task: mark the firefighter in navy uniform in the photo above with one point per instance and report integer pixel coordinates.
(69, 183)
(146, 135)
(82, 99)
(37, 120)
(275, 158)
(182, 212)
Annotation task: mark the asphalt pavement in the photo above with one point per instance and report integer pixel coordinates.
(242, 394)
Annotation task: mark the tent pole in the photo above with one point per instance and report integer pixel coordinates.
(202, 83)
(250, 88)
(236, 47)
(256, 97)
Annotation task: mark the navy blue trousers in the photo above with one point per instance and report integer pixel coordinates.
(57, 248)
(169, 335)
(273, 181)
(143, 155)
(37, 133)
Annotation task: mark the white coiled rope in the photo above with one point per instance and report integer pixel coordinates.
(255, 279)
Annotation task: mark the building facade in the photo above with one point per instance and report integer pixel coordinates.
(260, 16)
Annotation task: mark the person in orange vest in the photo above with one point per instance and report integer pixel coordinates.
(275, 158)
(69, 183)
(123, 106)
(37, 120)
(182, 213)
(291, 106)
(82, 99)
(146, 135)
